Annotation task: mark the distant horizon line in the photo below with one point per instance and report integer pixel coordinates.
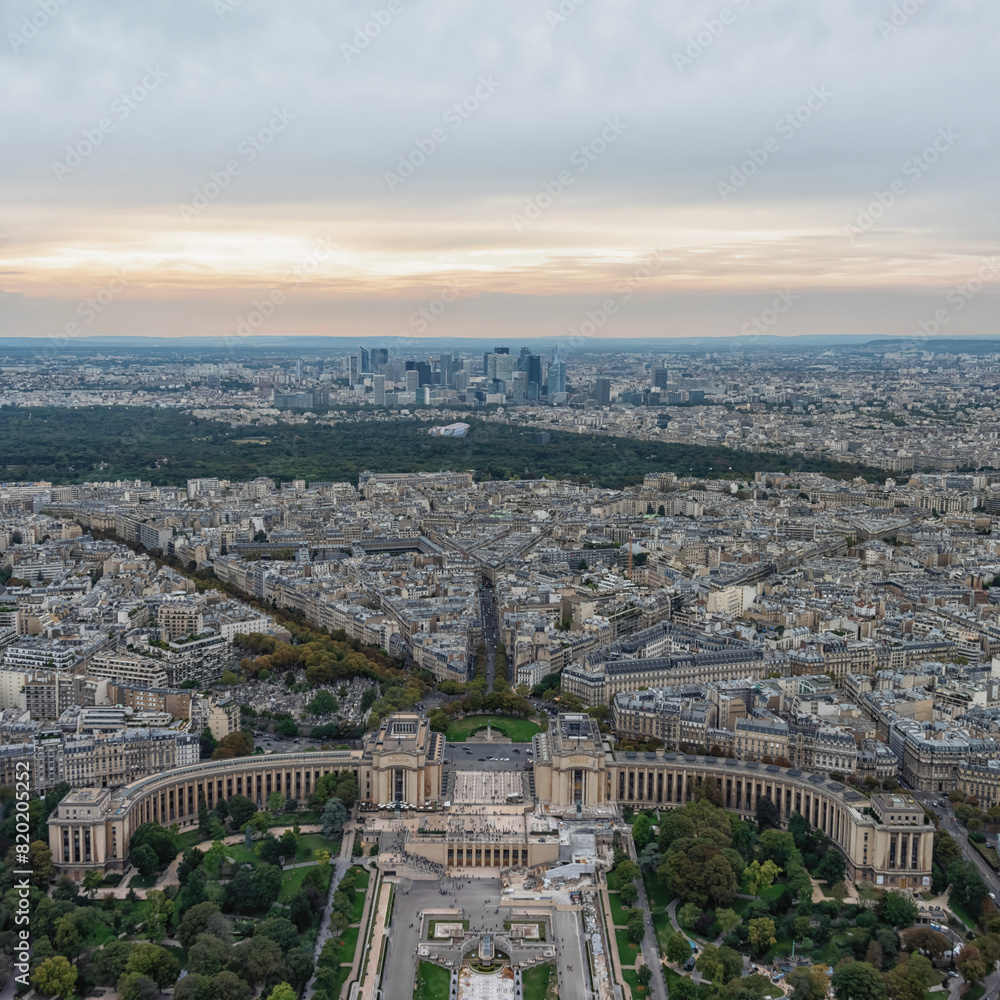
(272, 339)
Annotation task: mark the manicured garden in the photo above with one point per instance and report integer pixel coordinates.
(292, 880)
(628, 950)
(745, 888)
(338, 952)
(433, 982)
(518, 730)
(539, 983)
(618, 913)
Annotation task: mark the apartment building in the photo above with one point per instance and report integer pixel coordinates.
(179, 620)
(131, 669)
(223, 717)
(38, 654)
(931, 754)
(761, 736)
(598, 684)
(980, 779)
(100, 760)
(677, 716)
(47, 694)
(176, 702)
(818, 747)
(877, 761)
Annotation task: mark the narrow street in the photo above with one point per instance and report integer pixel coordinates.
(491, 634)
(650, 951)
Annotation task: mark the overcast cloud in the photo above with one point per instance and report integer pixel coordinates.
(534, 152)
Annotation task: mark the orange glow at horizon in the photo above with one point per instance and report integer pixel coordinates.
(349, 253)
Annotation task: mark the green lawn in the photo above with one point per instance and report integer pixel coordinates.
(962, 913)
(291, 882)
(359, 905)
(618, 911)
(832, 951)
(342, 973)
(101, 935)
(628, 951)
(539, 982)
(770, 892)
(189, 839)
(240, 854)
(179, 953)
(519, 730)
(632, 978)
(348, 943)
(288, 819)
(98, 936)
(433, 982)
(360, 888)
(310, 843)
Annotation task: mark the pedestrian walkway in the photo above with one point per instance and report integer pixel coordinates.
(819, 896)
(169, 874)
(379, 932)
(340, 865)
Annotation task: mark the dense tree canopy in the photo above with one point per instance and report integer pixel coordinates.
(67, 445)
(699, 864)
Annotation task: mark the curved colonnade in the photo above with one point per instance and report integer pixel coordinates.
(886, 838)
(92, 827)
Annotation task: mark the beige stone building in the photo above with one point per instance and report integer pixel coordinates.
(598, 684)
(885, 839)
(180, 620)
(223, 718)
(406, 761)
(981, 780)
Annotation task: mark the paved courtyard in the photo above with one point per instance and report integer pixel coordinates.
(488, 786)
(480, 902)
(473, 986)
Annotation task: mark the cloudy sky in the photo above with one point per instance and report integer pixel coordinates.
(506, 169)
